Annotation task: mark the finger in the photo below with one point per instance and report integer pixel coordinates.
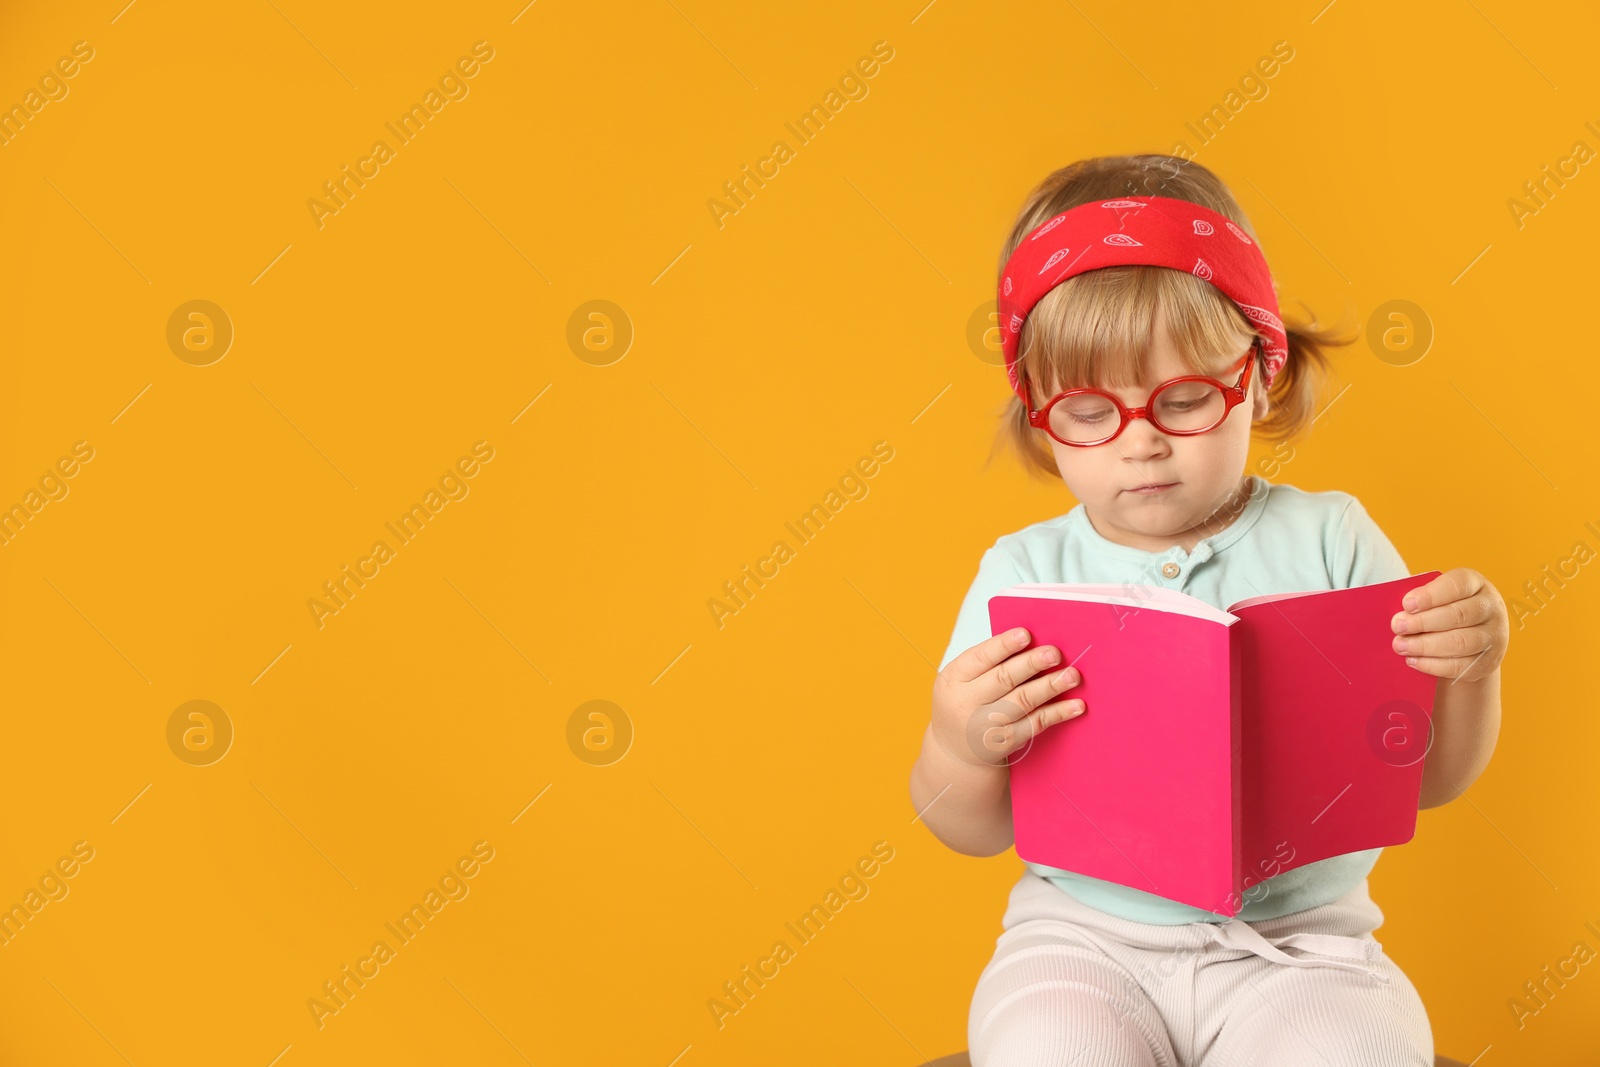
(1455, 584)
(1455, 615)
(1025, 698)
(1452, 667)
(1042, 718)
(1005, 678)
(1468, 641)
(987, 654)
(1000, 741)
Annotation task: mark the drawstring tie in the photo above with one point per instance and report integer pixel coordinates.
(1236, 933)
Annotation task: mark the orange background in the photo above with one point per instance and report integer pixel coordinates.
(768, 356)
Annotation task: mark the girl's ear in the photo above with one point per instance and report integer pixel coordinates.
(1258, 392)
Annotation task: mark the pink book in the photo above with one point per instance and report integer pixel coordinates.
(1218, 748)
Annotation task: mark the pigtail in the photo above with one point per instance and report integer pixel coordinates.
(1295, 397)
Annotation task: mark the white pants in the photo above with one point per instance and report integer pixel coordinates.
(1072, 985)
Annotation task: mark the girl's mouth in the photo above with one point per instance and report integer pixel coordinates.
(1150, 490)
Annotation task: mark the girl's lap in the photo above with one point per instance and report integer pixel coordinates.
(1054, 991)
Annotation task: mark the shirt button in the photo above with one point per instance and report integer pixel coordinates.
(1169, 569)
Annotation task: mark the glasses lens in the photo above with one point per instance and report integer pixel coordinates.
(1188, 406)
(1084, 419)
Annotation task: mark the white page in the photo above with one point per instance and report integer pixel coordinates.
(1154, 597)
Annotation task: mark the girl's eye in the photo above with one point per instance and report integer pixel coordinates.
(1088, 416)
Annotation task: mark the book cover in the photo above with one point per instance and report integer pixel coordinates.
(1219, 748)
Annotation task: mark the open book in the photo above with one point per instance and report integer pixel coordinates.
(1218, 748)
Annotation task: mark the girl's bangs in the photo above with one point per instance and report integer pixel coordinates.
(1094, 329)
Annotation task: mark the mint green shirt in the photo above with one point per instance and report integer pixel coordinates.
(1284, 540)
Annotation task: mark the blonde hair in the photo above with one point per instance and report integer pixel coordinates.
(1094, 328)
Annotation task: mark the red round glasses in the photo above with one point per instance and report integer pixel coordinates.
(1182, 407)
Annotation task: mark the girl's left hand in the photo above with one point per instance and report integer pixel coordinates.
(1453, 627)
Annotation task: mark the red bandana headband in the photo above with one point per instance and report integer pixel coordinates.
(1154, 230)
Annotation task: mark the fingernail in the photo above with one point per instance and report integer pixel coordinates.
(1411, 661)
(1412, 602)
(1401, 645)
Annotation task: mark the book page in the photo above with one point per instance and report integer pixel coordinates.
(1155, 597)
(1270, 597)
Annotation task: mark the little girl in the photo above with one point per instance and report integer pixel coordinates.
(1122, 274)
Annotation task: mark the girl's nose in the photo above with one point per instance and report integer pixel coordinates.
(1141, 440)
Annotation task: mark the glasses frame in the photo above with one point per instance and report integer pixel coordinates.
(1232, 396)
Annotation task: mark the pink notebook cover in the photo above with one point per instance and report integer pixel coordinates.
(1215, 754)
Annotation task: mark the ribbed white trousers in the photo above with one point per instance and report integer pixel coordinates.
(1071, 986)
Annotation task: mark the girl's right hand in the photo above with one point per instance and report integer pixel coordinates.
(987, 703)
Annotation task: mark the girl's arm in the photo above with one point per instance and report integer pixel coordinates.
(1466, 724)
(966, 805)
(1456, 629)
